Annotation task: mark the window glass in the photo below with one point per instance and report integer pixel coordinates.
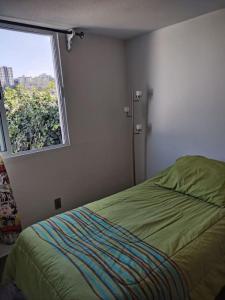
(30, 89)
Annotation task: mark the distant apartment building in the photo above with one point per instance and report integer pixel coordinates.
(25, 81)
(6, 79)
(40, 82)
(6, 76)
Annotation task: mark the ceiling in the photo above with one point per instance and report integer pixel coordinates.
(119, 18)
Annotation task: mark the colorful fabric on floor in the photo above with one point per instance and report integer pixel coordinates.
(10, 225)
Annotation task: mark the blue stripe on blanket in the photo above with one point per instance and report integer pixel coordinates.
(115, 263)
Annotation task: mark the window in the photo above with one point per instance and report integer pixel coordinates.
(32, 108)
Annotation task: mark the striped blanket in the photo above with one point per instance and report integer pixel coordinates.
(115, 263)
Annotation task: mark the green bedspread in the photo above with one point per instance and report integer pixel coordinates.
(147, 242)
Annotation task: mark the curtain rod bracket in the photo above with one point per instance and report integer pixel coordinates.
(69, 37)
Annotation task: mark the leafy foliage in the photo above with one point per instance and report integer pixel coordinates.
(33, 117)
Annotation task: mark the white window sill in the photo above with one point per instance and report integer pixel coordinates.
(33, 151)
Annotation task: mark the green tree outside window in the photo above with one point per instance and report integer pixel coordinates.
(33, 117)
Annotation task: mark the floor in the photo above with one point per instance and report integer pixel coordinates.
(2, 264)
(10, 292)
(221, 295)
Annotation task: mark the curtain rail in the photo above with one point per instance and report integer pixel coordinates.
(65, 31)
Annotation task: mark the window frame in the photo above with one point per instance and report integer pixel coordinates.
(54, 40)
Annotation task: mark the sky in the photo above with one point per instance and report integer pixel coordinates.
(28, 54)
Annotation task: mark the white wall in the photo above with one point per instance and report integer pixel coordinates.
(185, 66)
(98, 162)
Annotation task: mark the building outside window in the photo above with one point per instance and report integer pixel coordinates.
(32, 106)
(6, 76)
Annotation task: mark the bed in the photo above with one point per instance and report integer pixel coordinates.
(162, 239)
